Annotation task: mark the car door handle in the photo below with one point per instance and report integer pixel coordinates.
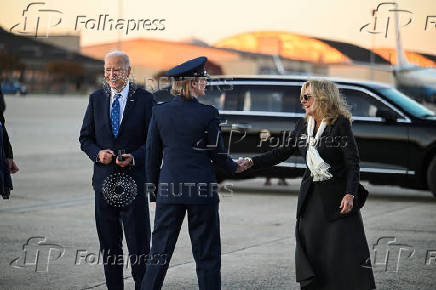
(226, 124)
(241, 126)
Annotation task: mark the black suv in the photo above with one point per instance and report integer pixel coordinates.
(396, 135)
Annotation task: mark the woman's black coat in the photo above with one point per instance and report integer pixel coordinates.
(338, 148)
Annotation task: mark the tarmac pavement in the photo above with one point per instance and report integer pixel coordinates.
(48, 238)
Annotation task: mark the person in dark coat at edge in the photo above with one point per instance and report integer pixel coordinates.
(5, 174)
(7, 162)
(183, 138)
(331, 248)
(117, 118)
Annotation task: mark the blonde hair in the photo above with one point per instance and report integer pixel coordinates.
(182, 88)
(329, 103)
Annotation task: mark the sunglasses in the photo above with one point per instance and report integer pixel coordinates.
(305, 97)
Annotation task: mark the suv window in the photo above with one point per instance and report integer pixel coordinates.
(362, 104)
(270, 98)
(223, 98)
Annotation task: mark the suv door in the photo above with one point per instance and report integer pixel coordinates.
(257, 116)
(383, 144)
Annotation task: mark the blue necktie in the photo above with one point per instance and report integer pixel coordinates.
(115, 115)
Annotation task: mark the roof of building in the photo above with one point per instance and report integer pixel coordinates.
(159, 54)
(286, 44)
(354, 52)
(390, 54)
(30, 49)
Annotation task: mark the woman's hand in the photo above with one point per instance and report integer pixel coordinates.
(244, 164)
(346, 203)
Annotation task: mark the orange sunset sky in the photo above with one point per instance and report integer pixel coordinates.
(212, 21)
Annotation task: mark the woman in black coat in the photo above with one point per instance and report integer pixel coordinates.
(331, 247)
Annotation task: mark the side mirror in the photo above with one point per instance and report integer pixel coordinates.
(389, 116)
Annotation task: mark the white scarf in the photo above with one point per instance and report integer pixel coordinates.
(319, 169)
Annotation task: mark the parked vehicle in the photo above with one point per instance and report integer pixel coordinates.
(396, 135)
(13, 87)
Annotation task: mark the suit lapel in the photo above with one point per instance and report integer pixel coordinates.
(131, 99)
(307, 182)
(303, 132)
(326, 136)
(327, 130)
(106, 113)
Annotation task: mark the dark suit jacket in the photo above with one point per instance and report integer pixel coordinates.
(96, 133)
(6, 144)
(5, 175)
(338, 148)
(184, 137)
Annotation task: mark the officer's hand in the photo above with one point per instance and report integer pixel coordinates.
(12, 166)
(105, 156)
(127, 158)
(241, 166)
(244, 164)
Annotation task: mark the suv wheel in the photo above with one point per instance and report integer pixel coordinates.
(431, 176)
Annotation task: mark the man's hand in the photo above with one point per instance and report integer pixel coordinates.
(346, 203)
(12, 166)
(105, 156)
(127, 158)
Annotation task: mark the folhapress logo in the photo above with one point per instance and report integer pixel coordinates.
(39, 254)
(36, 17)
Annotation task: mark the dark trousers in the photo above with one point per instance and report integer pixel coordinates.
(204, 231)
(111, 221)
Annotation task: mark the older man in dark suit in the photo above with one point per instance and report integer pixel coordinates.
(116, 121)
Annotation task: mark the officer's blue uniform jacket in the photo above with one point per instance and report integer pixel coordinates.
(183, 139)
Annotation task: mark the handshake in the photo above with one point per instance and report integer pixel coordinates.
(244, 164)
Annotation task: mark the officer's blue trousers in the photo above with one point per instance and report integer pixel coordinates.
(204, 231)
(111, 221)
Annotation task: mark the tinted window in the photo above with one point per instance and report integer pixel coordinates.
(362, 104)
(270, 98)
(223, 98)
(407, 103)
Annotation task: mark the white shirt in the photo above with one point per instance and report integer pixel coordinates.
(123, 100)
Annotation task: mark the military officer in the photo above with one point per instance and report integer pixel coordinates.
(183, 138)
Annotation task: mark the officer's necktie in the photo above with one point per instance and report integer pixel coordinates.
(115, 114)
